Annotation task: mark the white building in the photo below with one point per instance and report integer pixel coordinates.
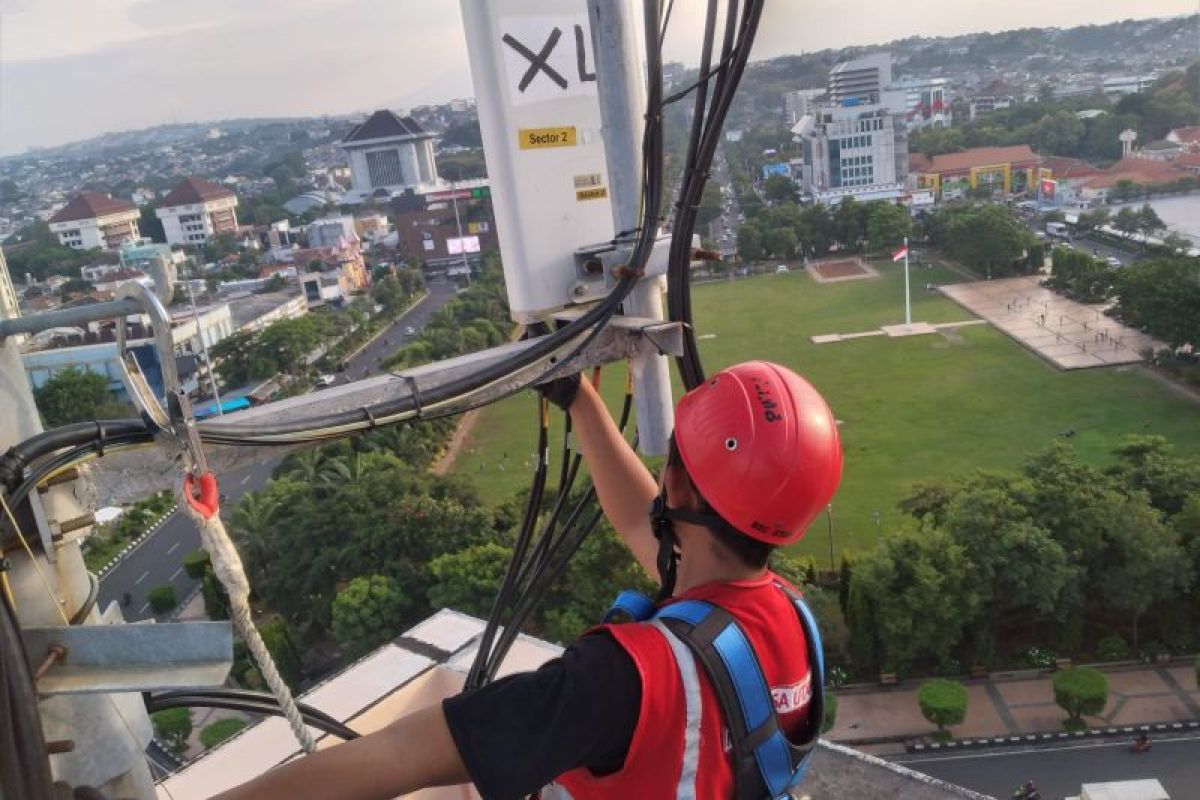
(798, 103)
(855, 144)
(388, 154)
(331, 232)
(94, 219)
(925, 102)
(1129, 84)
(197, 210)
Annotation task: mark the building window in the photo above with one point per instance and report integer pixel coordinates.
(383, 168)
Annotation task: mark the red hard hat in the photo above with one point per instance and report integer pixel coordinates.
(761, 446)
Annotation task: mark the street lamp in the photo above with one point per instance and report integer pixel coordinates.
(829, 519)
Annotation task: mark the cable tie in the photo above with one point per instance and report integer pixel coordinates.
(370, 415)
(101, 439)
(416, 393)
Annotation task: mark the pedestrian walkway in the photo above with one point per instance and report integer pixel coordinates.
(1019, 705)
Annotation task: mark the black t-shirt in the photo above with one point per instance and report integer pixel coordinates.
(521, 732)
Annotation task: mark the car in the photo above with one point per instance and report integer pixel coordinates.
(326, 380)
(409, 330)
(782, 268)
(1113, 261)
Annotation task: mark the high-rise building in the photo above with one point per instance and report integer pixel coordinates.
(854, 143)
(798, 103)
(388, 154)
(94, 219)
(197, 210)
(925, 102)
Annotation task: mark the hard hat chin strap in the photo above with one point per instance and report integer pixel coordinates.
(662, 523)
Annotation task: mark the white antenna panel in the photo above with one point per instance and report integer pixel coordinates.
(539, 114)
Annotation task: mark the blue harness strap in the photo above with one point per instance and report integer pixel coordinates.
(765, 762)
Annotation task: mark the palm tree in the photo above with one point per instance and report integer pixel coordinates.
(307, 466)
(344, 469)
(251, 522)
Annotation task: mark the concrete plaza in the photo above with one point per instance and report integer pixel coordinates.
(1017, 705)
(1068, 334)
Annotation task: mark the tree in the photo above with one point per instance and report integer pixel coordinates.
(1079, 691)
(918, 583)
(887, 225)
(219, 731)
(1125, 190)
(1149, 223)
(173, 726)
(467, 580)
(780, 188)
(989, 238)
(710, 205)
(1162, 297)
(1147, 563)
(1080, 276)
(150, 226)
(780, 242)
(1095, 218)
(251, 523)
(749, 243)
(162, 598)
(943, 702)
(849, 219)
(278, 641)
(195, 563)
(1127, 221)
(72, 395)
(367, 613)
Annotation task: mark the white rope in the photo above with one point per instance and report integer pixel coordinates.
(227, 566)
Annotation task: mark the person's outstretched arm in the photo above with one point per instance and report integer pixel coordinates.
(414, 752)
(624, 486)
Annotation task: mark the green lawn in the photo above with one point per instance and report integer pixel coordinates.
(923, 407)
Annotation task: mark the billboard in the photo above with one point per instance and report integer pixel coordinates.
(776, 169)
(456, 246)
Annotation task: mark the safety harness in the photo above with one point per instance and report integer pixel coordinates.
(766, 764)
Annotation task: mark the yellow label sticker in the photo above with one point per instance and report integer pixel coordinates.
(536, 138)
(592, 194)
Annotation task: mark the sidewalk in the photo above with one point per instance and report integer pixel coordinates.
(999, 707)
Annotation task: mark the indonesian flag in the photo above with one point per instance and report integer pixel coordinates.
(900, 254)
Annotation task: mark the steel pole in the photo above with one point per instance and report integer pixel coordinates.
(619, 83)
(458, 225)
(110, 731)
(212, 379)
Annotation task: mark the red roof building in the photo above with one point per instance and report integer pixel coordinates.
(197, 210)
(1189, 137)
(96, 220)
(1008, 170)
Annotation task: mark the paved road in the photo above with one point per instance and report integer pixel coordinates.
(158, 561)
(1060, 771)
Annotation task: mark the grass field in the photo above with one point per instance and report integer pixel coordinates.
(922, 407)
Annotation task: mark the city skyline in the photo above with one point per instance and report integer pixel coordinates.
(70, 71)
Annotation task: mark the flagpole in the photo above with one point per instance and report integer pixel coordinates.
(907, 293)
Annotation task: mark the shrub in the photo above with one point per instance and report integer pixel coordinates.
(219, 731)
(943, 702)
(195, 562)
(1079, 691)
(1112, 648)
(173, 726)
(162, 599)
(1039, 657)
(830, 716)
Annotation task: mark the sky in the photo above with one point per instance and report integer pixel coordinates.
(70, 69)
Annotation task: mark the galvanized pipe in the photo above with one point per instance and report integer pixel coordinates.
(69, 317)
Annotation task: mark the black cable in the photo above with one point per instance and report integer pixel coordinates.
(693, 182)
(24, 762)
(524, 537)
(554, 563)
(266, 706)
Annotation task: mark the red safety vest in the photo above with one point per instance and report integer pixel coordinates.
(679, 747)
